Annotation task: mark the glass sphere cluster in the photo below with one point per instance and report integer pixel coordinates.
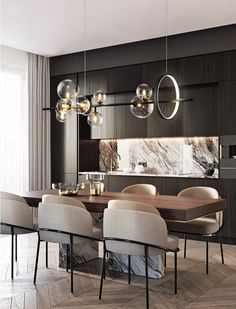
(141, 106)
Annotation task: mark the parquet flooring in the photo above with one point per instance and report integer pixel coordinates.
(195, 289)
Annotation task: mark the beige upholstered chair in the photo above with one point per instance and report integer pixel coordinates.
(16, 218)
(57, 199)
(141, 188)
(12, 196)
(66, 224)
(133, 232)
(206, 226)
(131, 205)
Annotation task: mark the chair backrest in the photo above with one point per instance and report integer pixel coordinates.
(136, 226)
(15, 213)
(12, 196)
(204, 193)
(63, 217)
(57, 199)
(141, 188)
(131, 205)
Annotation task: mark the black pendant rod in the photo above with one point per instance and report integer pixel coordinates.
(126, 104)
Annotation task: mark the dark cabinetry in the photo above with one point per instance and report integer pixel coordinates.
(64, 141)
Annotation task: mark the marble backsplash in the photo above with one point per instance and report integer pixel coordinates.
(175, 156)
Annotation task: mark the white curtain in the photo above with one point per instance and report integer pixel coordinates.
(39, 123)
(24, 127)
(14, 120)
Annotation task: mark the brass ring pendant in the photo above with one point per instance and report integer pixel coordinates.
(177, 96)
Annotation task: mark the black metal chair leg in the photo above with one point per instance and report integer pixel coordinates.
(207, 255)
(129, 272)
(46, 246)
(67, 257)
(12, 252)
(71, 267)
(175, 272)
(221, 250)
(16, 247)
(103, 270)
(36, 261)
(146, 275)
(185, 245)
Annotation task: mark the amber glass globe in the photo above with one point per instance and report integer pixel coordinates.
(67, 89)
(140, 108)
(144, 92)
(81, 105)
(95, 119)
(63, 106)
(99, 97)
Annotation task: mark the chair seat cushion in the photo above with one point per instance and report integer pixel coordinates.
(202, 226)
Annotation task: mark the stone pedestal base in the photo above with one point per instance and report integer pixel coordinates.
(119, 262)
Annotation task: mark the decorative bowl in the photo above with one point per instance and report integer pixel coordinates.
(68, 189)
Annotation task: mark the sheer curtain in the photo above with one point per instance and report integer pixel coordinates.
(14, 169)
(24, 127)
(39, 123)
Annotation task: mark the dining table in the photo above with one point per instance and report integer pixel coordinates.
(170, 207)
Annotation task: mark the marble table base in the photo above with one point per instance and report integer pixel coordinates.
(119, 262)
(81, 253)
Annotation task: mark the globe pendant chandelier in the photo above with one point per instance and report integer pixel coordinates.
(141, 105)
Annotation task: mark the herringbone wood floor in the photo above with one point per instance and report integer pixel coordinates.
(195, 289)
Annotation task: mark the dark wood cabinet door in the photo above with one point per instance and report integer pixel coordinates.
(64, 139)
(95, 80)
(200, 117)
(227, 107)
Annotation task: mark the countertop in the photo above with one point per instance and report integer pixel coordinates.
(120, 173)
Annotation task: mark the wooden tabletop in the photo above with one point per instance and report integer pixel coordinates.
(169, 206)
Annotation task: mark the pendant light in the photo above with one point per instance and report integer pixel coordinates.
(170, 77)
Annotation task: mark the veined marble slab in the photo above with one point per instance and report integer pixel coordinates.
(163, 156)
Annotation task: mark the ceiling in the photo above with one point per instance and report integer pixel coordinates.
(56, 27)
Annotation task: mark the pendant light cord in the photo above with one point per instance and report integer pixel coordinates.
(85, 51)
(166, 37)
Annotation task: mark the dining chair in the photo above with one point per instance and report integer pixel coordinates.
(139, 233)
(16, 218)
(57, 199)
(14, 197)
(65, 224)
(141, 188)
(206, 226)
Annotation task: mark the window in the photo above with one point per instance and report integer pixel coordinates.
(14, 121)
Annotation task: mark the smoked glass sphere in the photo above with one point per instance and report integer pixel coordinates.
(67, 89)
(144, 92)
(140, 108)
(99, 97)
(95, 119)
(81, 105)
(63, 105)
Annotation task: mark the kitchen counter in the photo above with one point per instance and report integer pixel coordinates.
(120, 173)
